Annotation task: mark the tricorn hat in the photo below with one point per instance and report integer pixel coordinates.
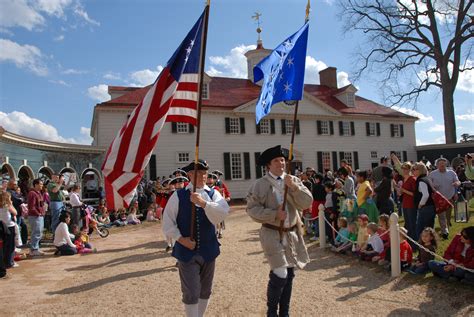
(271, 153)
(218, 173)
(212, 175)
(202, 165)
(179, 179)
(180, 171)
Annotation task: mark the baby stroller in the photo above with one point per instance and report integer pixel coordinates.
(91, 223)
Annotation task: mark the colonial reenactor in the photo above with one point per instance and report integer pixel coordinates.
(179, 182)
(196, 254)
(283, 248)
(219, 183)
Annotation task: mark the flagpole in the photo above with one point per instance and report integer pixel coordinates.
(292, 142)
(199, 105)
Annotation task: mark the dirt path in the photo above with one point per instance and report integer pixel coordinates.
(132, 275)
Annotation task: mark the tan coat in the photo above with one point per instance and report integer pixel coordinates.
(262, 207)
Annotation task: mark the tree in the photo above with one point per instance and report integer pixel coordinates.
(465, 138)
(414, 45)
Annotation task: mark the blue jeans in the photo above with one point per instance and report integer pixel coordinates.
(438, 269)
(410, 214)
(423, 269)
(36, 225)
(425, 218)
(66, 250)
(55, 207)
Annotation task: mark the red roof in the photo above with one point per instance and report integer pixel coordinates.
(233, 92)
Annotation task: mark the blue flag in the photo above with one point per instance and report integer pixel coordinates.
(282, 72)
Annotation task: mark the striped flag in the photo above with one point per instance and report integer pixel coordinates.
(172, 98)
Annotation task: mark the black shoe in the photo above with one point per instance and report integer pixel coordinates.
(168, 248)
(445, 236)
(219, 236)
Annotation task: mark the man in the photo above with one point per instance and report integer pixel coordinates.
(446, 182)
(36, 216)
(196, 254)
(265, 205)
(377, 174)
(17, 200)
(56, 196)
(469, 169)
(223, 187)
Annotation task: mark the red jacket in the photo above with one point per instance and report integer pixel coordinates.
(406, 252)
(35, 204)
(454, 253)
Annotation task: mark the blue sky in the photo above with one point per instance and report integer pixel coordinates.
(57, 56)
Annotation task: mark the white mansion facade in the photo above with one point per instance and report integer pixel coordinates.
(334, 123)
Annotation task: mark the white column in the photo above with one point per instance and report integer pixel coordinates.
(322, 227)
(395, 245)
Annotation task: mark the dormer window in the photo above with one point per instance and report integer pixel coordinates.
(350, 99)
(205, 91)
(347, 95)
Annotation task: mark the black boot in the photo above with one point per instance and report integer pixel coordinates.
(286, 294)
(274, 290)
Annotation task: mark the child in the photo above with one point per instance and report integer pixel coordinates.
(81, 241)
(331, 210)
(365, 204)
(132, 217)
(406, 252)
(352, 238)
(384, 235)
(151, 213)
(429, 241)
(343, 234)
(362, 234)
(319, 198)
(374, 244)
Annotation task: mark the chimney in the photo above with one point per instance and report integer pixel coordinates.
(328, 77)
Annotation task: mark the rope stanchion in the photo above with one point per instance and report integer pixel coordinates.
(436, 255)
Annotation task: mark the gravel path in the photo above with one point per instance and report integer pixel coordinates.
(132, 275)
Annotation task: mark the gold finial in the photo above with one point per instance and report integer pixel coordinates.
(256, 17)
(308, 9)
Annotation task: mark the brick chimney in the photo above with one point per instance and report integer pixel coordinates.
(328, 77)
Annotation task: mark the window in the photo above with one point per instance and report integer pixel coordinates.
(236, 166)
(288, 126)
(234, 125)
(373, 155)
(396, 130)
(372, 129)
(346, 128)
(182, 157)
(398, 154)
(350, 100)
(325, 127)
(326, 156)
(205, 91)
(348, 158)
(182, 127)
(264, 126)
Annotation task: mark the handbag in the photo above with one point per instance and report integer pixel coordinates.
(441, 203)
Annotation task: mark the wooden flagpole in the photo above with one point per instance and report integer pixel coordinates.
(290, 155)
(198, 121)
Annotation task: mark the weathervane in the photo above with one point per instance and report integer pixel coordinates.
(256, 17)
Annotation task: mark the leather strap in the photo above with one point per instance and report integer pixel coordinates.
(269, 226)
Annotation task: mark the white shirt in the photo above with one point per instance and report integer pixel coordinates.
(376, 242)
(74, 200)
(423, 188)
(6, 217)
(216, 211)
(279, 196)
(62, 236)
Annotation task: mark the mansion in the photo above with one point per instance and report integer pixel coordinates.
(334, 123)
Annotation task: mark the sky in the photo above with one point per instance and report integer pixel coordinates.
(58, 56)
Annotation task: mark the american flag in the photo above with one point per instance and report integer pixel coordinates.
(172, 98)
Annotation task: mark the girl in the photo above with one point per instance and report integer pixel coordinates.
(7, 216)
(62, 237)
(365, 204)
(362, 234)
(151, 213)
(429, 241)
(81, 241)
(384, 235)
(343, 234)
(352, 238)
(319, 197)
(132, 217)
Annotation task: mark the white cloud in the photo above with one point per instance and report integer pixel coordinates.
(466, 78)
(23, 56)
(112, 76)
(79, 11)
(232, 65)
(6, 31)
(439, 140)
(59, 38)
(465, 117)
(99, 92)
(18, 13)
(22, 124)
(436, 128)
(145, 77)
(60, 82)
(72, 71)
(422, 118)
(313, 67)
(53, 7)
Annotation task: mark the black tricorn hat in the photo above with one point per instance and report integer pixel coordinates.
(212, 175)
(271, 153)
(183, 173)
(202, 165)
(218, 173)
(179, 179)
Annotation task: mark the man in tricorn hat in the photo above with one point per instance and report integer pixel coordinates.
(285, 251)
(196, 254)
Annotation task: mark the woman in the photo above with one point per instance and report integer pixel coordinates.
(7, 214)
(408, 203)
(460, 252)
(422, 199)
(76, 204)
(62, 237)
(384, 191)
